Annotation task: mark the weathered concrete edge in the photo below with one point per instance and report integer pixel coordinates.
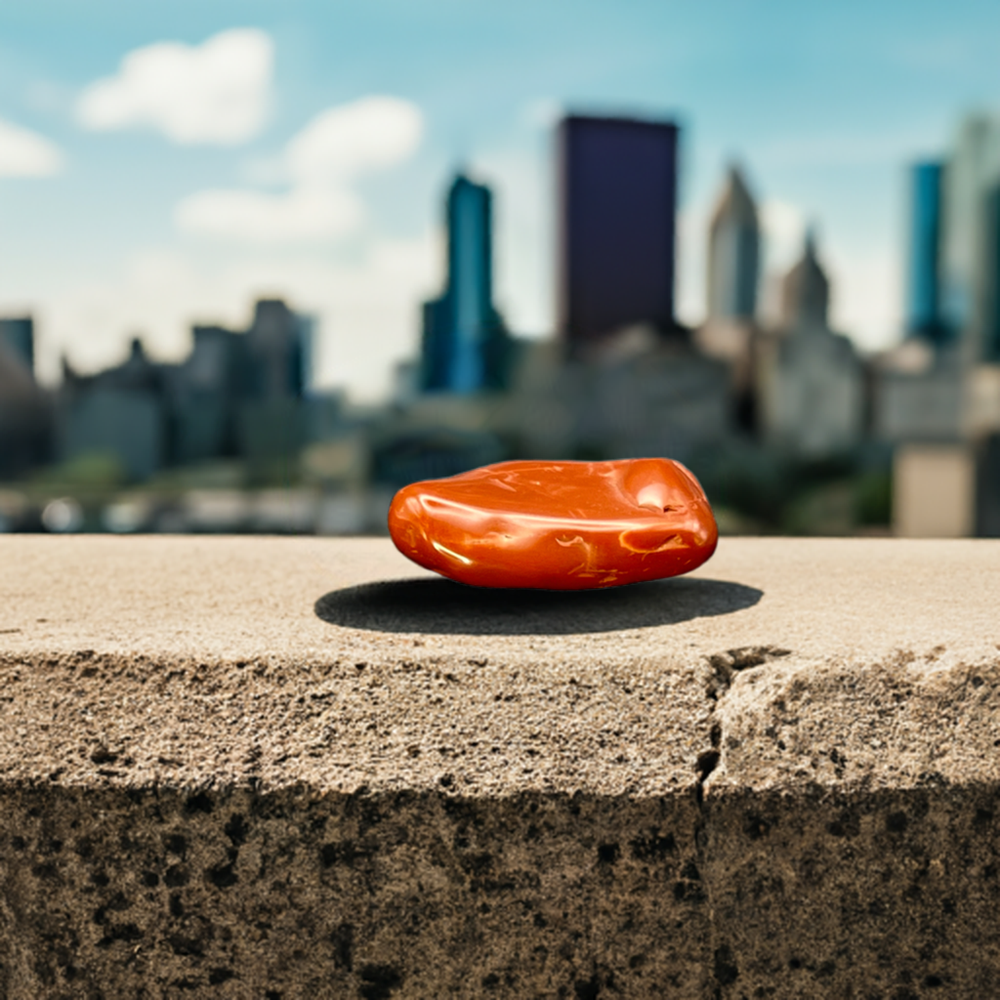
(852, 859)
(810, 891)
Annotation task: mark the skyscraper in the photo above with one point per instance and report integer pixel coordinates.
(24, 408)
(19, 335)
(805, 292)
(810, 379)
(277, 344)
(971, 263)
(463, 336)
(617, 203)
(923, 290)
(733, 253)
(988, 339)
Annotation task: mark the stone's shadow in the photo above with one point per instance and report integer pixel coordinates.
(436, 605)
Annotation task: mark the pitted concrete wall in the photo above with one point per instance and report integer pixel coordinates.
(303, 768)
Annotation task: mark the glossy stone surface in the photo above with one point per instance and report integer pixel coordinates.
(557, 525)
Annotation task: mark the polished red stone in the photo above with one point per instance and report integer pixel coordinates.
(557, 525)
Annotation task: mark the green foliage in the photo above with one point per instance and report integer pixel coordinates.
(749, 482)
(219, 474)
(873, 499)
(761, 490)
(92, 472)
(825, 509)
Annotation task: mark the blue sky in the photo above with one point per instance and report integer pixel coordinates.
(126, 212)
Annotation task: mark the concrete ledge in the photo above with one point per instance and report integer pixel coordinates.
(304, 768)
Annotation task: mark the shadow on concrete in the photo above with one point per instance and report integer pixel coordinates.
(428, 605)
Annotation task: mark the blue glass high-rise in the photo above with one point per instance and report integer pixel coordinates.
(923, 292)
(463, 334)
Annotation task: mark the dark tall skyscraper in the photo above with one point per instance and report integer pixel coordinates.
(617, 203)
(463, 335)
(923, 288)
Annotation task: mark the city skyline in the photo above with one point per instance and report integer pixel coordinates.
(129, 234)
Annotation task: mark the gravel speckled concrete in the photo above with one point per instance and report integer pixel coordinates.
(299, 767)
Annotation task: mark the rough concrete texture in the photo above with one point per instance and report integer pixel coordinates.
(305, 768)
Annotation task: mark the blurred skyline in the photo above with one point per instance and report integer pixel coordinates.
(145, 186)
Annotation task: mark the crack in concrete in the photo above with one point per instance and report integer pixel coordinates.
(722, 670)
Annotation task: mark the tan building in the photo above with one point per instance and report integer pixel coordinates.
(934, 491)
(809, 380)
(942, 415)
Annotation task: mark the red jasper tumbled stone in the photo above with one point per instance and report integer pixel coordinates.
(557, 525)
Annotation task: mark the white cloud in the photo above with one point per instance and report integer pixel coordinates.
(24, 153)
(303, 214)
(369, 134)
(336, 147)
(214, 93)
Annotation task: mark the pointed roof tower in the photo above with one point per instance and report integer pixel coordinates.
(733, 252)
(805, 291)
(735, 202)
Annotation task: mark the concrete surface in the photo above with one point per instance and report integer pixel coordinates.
(244, 767)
